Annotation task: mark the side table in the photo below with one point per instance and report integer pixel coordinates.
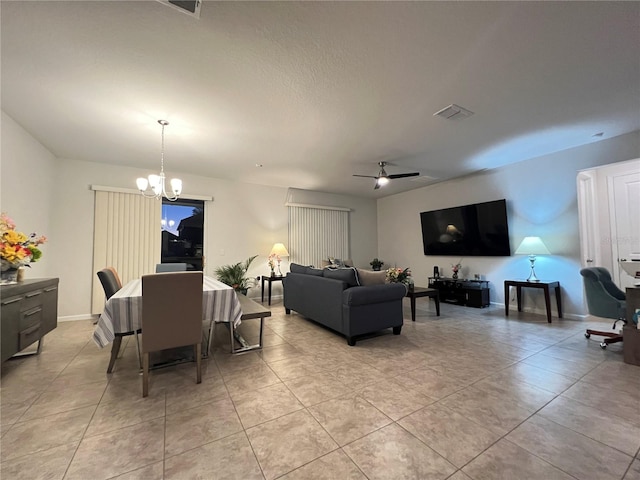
(270, 280)
(417, 292)
(545, 286)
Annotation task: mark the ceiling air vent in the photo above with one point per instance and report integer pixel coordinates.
(190, 7)
(453, 112)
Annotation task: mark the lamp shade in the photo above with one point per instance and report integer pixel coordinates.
(532, 246)
(280, 250)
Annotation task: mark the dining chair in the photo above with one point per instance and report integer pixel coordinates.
(111, 283)
(171, 267)
(171, 317)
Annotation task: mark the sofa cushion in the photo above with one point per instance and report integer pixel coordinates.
(297, 268)
(369, 277)
(347, 275)
(344, 263)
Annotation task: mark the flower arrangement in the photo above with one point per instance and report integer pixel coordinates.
(272, 259)
(17, 249)
(398, 275)
(456, 267)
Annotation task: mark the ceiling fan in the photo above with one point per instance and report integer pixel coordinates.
(383, 178)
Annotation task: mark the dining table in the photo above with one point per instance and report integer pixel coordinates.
(123, 311)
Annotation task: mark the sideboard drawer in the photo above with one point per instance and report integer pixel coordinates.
(29, 335)
(31, 299)
(30, 317)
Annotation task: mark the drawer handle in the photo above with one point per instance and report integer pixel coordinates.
(13, 300)
(32, 312)
(30, 330)
(50, 289)
(34, 294)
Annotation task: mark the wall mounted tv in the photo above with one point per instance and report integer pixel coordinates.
(480, 229)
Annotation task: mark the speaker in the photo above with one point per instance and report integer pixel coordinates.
(436, 272)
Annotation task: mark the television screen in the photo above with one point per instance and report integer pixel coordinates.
(480, 229)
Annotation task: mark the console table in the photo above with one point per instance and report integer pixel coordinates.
(417, 292)
(545, 286)
(29, 311)
(471, 293)
(277, 278)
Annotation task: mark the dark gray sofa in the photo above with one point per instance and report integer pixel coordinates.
(333, 299)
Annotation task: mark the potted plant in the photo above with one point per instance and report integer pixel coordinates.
(376, 264)
(234, 275)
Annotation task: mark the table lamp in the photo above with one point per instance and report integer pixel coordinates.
(532, 246)
(279, 250)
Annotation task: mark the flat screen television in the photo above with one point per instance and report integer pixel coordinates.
(480, 229)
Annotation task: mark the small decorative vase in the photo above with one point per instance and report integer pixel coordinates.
(9, 276)
(273, 273)
(455, 275)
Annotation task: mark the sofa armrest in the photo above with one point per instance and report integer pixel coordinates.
(373, 294)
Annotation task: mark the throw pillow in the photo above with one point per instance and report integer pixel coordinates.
(297, 268)
(369, 277)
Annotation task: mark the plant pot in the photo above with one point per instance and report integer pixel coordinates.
(376, 268)
(9, 276)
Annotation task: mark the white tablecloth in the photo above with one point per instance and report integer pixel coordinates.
(123, 311)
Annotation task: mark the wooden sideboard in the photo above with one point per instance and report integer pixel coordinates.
(29, 312)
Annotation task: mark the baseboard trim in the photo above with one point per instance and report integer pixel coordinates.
(541, 311)
(77, 318)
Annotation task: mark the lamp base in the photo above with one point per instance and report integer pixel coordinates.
(532, 275)
(279, 272)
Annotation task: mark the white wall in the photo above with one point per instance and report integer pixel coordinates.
(541, 201)
(53, 197)
(26, 190)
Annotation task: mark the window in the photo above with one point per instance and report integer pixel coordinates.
(183, 232)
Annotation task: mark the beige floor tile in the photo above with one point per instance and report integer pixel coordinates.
(289, 442)
(357, 375)
(393, 453)
(266, 404)
(115, 415)
(47, 464)
(538, 377)
(279, 352)
(229, 458)
(291, 368)
(111, 454)
(348, 418)
(154, 471)
(335, 465)
(634, 471)
(569, 368)
(459, 475)
(254, 378)
(194, 427)
(571, 452)
(430, 383)
(230, 364)
(10, 413)
(191, 394)
(498, 414)
(61, 399)
(450, 434)
(507, 461)
(595, 423)
(522, 394)
(393, 399)
(624, 406)
(24, 438)
(317, 388)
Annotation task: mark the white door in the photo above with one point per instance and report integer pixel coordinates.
(625, 222)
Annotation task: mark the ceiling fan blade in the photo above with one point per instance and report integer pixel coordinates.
(366, 176)
(403, 175)
(377, 186)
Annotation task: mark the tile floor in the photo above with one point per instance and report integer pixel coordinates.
(468, 395)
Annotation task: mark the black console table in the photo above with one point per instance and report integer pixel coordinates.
(276, 278)
(470, 293)
(29, 311)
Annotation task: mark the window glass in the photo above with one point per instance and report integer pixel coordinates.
(182, 228)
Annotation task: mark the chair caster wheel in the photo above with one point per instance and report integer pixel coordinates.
(603, 345)
(587, 335)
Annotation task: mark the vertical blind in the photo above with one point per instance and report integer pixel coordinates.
(126, 237)
(317, 233)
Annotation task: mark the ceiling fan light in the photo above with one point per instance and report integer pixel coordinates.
(382, 181)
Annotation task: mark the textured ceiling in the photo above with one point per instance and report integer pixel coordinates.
(316, 92)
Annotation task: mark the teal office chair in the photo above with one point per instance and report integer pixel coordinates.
(604, 299)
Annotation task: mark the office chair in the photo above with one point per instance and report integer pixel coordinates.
(111, 284)
(171, 267)
(604, 299)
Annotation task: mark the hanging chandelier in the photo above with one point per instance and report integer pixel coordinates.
(157, 182)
